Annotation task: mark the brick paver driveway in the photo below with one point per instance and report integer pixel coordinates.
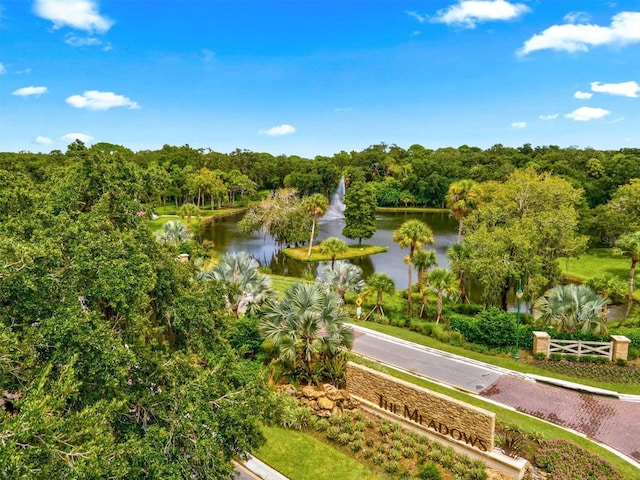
(608, 420)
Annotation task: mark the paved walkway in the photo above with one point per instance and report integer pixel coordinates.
(607, 419)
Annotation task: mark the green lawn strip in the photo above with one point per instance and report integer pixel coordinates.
(300, 456)
(504, 362)
(354, 251)
(205, 216)
(595, 262)
(509, 417)
(281, 283)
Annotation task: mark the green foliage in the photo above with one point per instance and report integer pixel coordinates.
(492, 327)
(360, 211)
(562, 459)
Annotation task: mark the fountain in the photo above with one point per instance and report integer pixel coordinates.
(336, 206)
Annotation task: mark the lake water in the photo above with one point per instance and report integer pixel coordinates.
(226, 237)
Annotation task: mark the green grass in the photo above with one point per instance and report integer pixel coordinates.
(595, 262)
(504, 362)
(168, 213)
(411, 210)
(509, 417)
(354, 251)
(300, 456)
(281, 283)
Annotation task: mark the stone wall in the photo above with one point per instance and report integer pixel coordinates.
(449, 418)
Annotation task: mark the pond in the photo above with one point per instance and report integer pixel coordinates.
(226, 237)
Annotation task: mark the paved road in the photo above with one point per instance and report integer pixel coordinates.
(425, 361)
(606, 419)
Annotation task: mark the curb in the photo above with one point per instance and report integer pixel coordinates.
(261, 469)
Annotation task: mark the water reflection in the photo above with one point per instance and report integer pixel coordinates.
(226, 237)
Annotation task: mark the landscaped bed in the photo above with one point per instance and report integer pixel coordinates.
(354, 251)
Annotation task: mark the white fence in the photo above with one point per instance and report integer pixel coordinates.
(573, 347)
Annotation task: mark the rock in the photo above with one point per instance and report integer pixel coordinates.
(311, 392)
(325, 404)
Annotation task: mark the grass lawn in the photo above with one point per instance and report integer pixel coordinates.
(302, 457)
(168, 213)
(281, 284)
(354, 251)
(595, 262)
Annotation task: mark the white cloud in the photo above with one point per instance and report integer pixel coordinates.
(467, 13)
(2, 69)
(97, 100)
(576, 17)
(584, 114)
(553, 116)
(284, 129)
(625, 89)
(417, 16)
(43, 140)
(572, 37)
(72, 137)
(27, 91)
(76, 41)
(519, 124)
(583, 95)
(78, 14)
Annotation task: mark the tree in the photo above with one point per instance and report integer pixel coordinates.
(245, 287)
(423, 261)
(630, 243)
(412, 234)
(571, 308)
(282, 216)
(519, 230)
(457, 255)
(360, 211)
(609, 287)
(462, 197)
(344, 277)
(316, 206)
(333, 247)
(307, 327)
(445, 284)
(114, 360)
(380, 283)
(188, 210)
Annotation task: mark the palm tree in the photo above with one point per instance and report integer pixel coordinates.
(412, 234)
(380, 283)
(333, 247)
(307, 326)
(188, 210)
(173, 232)
(344, 277)
(423, 260)
(571, 308)
(457, 255)
(462, 197)
(445, 283)
(247, 288)
(316, 205)
(630, 243)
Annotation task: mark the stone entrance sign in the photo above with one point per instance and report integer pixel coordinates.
(454, 420)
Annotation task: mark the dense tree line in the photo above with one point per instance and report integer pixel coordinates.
(415, 176)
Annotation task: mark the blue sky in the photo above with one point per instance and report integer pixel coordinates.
(307, 77)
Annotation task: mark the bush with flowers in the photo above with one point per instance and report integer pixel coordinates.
(564, 460)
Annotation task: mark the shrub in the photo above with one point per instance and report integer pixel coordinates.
(634, 353)
(467, 308)
(430, 471)
(555, 357)
(564, 460)
(539, 356)
(621, 362)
